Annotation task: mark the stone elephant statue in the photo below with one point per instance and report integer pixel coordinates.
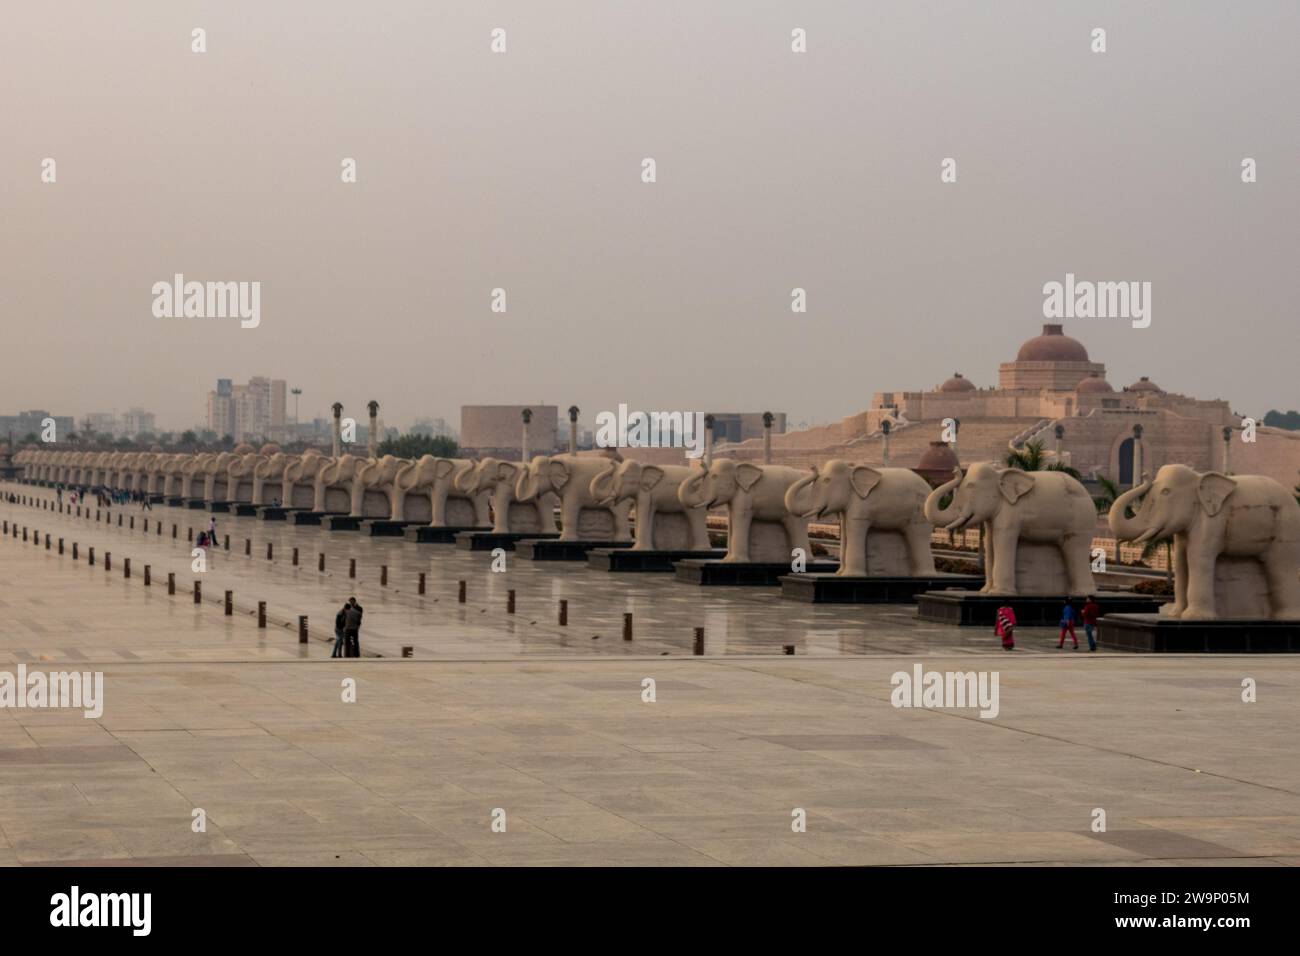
(379, 475)
(436, 477)
(498, 478)
(302, 474)
(569, 477)
(867, 499)
(1015, 507)
(751, 493)
(1211, 516)
(341, 473)
(214, 470)
(243, 469)
(270, 472)
(652, 489)
(192, 475)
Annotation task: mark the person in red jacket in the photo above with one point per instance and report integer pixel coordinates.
(1091, 611)
(1005, 627)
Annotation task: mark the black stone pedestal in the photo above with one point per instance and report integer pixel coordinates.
(627, 559)
(742, 573)
(383, 528)
(870, 589)
(970, 608)
(1153, 634)
(274, 513)
(244, 509)
(196, 504)
(219, 507)
(173, 501)
(491, 540)
(341, 522)
(308, 517)
(551, 549)
(428, 534)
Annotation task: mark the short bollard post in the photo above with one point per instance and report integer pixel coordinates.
(148, 580)
(96, 514)
(627, 625)
(119, 519)
(230, 603)
(91, 556)
(173, 531)
(198, 592)
(227, 542)
(126, 567)
(24, 532)
(321, 563)
(131, 526)
(352, 567)
(295, 557)
(261, 614)
(564, 612)
(60, 546)
(383, 575)
(302, 628)
(158, 528)
(460, 595)
(74, 551)
(108, 560)
(248, 547)
(699, 641)
(78, 511)
(420, 586)
(47, 542)
(189, 534)
(268, 551)
(6, 530)
(408, 650)
(171, 582)
(144, 525)
(789, 649)
(510, 601)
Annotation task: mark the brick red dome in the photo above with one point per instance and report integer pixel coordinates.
(938, 458)
(1052, 346)
(1144, 384)
(1094, 383)
(957, 384)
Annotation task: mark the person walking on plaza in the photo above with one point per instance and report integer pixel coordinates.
(352, 629)
(212, 528)
(1091, 611)
(340, 630)
(1005, 627)
(1067, 624)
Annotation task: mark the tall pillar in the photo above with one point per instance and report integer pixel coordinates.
(527, 416)
(768, 418)
(708, 440)
(1059, 432)
(374, 429)
(885, 427)
(1227, 445)
(337, 445)
(573, 429)
(1138, 463)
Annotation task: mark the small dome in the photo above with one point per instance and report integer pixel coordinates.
(270, 448)
(1144, 384)
(1094, 383)
(957, 384)
(938, 458)
(1052, 346)
(243, 448)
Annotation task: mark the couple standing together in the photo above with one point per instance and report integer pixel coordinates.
(347, 630)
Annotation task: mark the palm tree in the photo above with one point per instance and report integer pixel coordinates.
(189, 438)
(1153, 545)
(1109, 492)
(1032, 457)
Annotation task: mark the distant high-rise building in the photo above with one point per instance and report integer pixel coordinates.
(250, 412)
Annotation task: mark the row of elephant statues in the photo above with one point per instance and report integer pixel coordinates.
(1026, 516)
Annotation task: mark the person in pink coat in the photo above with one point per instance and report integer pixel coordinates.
(1005, 627)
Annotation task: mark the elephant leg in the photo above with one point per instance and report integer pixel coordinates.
(698, 521)
(796, 530)
(1076, 551)
(645, 529)
(918, 549)
(570, 509)
(482, 513)
(1280, 563)
(989, 549)
(397, 498)
(1201, 605)
(1180, 577)
(738, 534)
(622, 525)
(853, 546)
(1003, 568)
(438, 507)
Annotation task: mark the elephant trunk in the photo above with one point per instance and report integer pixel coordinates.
(526, 485)
(466, 480)
(691, 491)
(805, 508)
(1124, 527)
(602, 486)
(939, 517)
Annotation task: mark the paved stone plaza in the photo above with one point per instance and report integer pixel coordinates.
(547, 724)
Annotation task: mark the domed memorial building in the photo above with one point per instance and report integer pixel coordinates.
(1052, 385)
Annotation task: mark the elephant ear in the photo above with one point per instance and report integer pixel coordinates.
(506, 470)
(442, 468)
(1213, 490)
(747, 475)
(558, 472)
(864, 479)
(1015, 484)
(651, 475)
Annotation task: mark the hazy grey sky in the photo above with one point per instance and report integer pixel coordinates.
(522, 170)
